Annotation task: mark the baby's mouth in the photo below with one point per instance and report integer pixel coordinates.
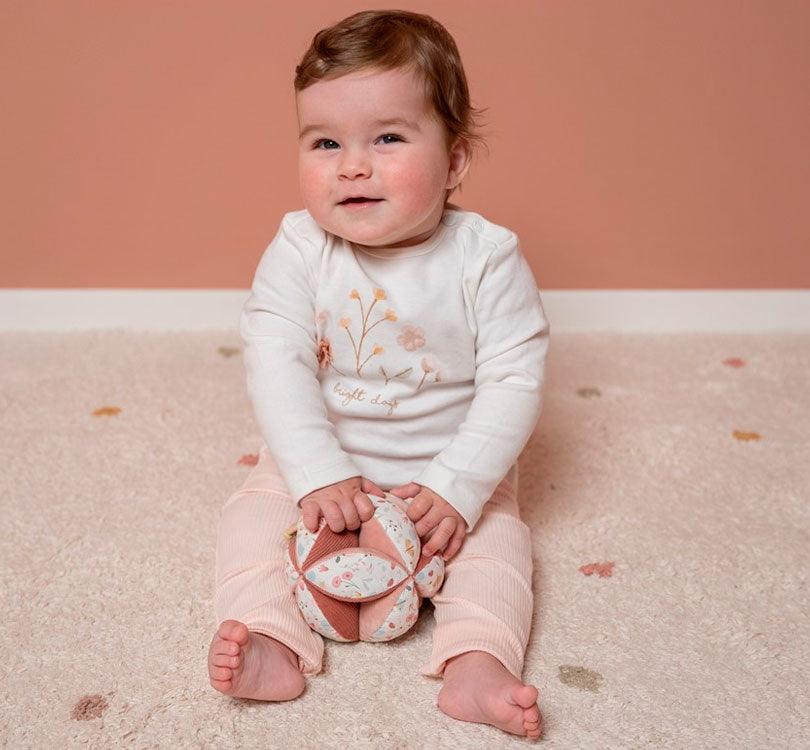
(361, 199)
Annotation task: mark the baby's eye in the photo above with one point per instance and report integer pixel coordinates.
(321, 143)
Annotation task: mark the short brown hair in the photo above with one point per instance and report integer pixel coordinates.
(388, 39)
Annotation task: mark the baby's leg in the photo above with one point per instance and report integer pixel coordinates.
(483, 619)
(262, 644)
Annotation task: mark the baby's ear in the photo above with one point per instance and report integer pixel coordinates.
(460, 161)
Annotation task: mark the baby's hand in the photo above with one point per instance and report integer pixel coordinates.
(344, 504)
(432, 513)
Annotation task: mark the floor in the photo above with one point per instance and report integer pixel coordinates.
(666, 486)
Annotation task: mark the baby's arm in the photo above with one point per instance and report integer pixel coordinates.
(511, 345)
(278, 329)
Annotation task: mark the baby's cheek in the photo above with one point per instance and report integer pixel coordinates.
(418, 186)
(312, 184)
(318, 201)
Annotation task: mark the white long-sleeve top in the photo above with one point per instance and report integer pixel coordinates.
(419, 364)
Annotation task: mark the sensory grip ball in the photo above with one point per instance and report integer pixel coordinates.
(366, 584)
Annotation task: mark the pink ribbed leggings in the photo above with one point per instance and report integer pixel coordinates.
(485, 603)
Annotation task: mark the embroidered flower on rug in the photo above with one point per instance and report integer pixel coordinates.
(745, 436)
(734, 362)
(107, 411)
(89, 707)
(411, 338)
(579, 677)
(249, 459)
(605, 569)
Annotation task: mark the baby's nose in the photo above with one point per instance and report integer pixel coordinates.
(354, 165)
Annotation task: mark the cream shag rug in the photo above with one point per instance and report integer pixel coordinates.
(666, 485)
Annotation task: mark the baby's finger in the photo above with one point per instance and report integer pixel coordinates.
(429, 521)
(369, 487)
(440, 538)
(350, 514)
(420, 505)
(333, 515)
(311, 514)
(454, 545)
(407, 490)
(365, 507)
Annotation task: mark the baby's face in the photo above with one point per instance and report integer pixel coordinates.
(346, 149)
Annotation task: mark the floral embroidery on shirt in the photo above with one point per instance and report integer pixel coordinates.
(411, 338)
(429, 365)
(325, 354)
(345, 323)
(403, 373)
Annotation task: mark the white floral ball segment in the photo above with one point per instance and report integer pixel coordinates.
(367, 584)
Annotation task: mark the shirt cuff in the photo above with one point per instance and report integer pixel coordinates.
(307, 479)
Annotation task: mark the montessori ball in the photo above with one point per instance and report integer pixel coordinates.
(366, 584)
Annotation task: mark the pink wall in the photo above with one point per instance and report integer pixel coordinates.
(634, 144)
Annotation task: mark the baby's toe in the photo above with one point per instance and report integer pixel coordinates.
(233, 630)
(221, 647)
(525, 696)
(534, 728)
(224, 686)
(220, 673)
(532, 722)
(225, 660)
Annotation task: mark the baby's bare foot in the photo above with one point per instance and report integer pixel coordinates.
(243, 664)
(478, 688)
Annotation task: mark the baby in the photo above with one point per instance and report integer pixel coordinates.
(394, 342)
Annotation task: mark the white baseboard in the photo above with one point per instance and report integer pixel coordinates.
(676, 310)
